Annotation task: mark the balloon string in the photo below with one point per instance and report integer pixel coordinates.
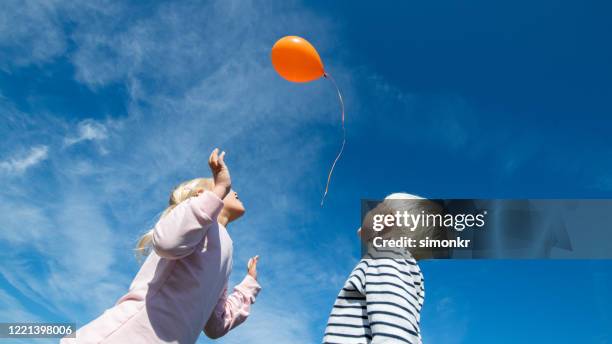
(331, 170)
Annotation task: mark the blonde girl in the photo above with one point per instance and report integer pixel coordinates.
(181, 288)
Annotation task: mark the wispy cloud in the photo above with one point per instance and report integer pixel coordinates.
(64, 254)
(88, 130)
(11, 308)
(20, 163)
(29, 33)
(444, 319)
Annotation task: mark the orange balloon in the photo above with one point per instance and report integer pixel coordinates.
(295, 59)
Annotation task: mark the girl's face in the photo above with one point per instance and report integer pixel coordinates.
(233, 206)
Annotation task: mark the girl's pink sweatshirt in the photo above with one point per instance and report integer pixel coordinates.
(181, 288)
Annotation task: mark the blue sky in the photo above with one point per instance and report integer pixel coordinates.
(104, 107)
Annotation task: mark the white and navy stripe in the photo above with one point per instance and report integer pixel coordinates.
(380, 302)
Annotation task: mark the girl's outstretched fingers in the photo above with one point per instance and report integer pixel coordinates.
(212, 159)
(252, 266)
(221, 156)
(220, 172)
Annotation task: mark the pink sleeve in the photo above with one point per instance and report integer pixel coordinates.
(176, 234)
(233, 310)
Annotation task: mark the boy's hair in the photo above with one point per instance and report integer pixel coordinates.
(411, 205)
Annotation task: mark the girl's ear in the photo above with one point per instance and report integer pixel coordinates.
(199, 191)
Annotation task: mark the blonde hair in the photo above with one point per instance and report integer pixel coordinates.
(180, 193)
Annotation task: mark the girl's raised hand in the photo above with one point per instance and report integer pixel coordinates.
(252, 266)
(220, 172)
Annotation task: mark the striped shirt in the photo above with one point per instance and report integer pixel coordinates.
(380, 303)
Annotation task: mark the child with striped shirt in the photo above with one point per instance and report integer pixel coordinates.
(382, 298)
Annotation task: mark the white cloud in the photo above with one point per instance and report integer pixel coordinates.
(97, 132)
(29, 33)
(19, 164)
(89, 130)
(444, 322)
(22, 222)
(74, 243)
(11, 309)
